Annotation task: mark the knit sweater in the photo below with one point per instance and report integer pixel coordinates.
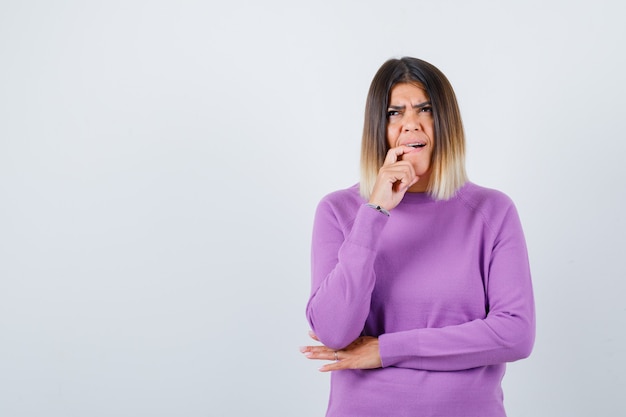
(444, 285)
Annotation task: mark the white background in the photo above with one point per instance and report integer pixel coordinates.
(160, 164)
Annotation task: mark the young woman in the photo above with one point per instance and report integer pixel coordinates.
(421, 288)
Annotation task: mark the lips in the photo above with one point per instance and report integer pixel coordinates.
(415, 145)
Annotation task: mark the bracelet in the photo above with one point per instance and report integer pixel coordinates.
(378, 208)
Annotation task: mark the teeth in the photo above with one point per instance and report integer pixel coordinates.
(416, 145)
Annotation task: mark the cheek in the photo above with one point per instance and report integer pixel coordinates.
(431, 128)
(392, 136)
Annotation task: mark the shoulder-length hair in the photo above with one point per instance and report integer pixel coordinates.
(448, 157)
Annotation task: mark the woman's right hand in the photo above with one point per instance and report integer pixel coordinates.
(393, 180)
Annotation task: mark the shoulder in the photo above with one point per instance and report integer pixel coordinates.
(493, 205)
(482, 197)
(346, 197)
(341, 204)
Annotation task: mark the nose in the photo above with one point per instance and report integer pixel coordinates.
(411, 122)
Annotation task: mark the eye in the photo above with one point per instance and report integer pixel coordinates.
(427, 109)
(391, 113)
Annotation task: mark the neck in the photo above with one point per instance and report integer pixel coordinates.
(421, 185)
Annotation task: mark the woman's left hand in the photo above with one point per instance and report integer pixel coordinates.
(363, 353)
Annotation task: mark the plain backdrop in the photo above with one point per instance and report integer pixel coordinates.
(161, 161)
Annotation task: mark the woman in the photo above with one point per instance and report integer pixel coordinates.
(421, 288)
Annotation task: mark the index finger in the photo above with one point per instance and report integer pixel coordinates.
(394, 153)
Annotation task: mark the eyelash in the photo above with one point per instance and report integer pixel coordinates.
(427, 109)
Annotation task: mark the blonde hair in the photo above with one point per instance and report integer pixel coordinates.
(448, 157)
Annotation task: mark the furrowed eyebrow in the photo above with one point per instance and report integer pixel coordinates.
(417, 106)
(421, 105)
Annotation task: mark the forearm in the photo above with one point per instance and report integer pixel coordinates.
(343, 275)
(497, 339)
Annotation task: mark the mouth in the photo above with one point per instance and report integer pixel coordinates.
(416, 145)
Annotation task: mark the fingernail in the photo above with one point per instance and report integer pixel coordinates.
(302, 349)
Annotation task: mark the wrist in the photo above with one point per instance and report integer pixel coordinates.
(378, 208)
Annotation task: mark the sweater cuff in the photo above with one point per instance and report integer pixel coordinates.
(368, 224)
(392, 347)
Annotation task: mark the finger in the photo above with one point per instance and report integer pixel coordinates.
(315, 350)
(335, 366)
(398, 165)
(318, 352)
(313, 336)
(401, 173)
(406, 182)
(394, 153)
(413, 181)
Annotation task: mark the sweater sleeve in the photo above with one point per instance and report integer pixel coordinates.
(506, 333)
(342, 260)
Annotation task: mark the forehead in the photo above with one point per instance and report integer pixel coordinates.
(408, 91)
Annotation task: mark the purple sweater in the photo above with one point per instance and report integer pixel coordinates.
(444, 285)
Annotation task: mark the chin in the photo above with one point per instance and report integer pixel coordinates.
(421, 169)
(423, 174)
